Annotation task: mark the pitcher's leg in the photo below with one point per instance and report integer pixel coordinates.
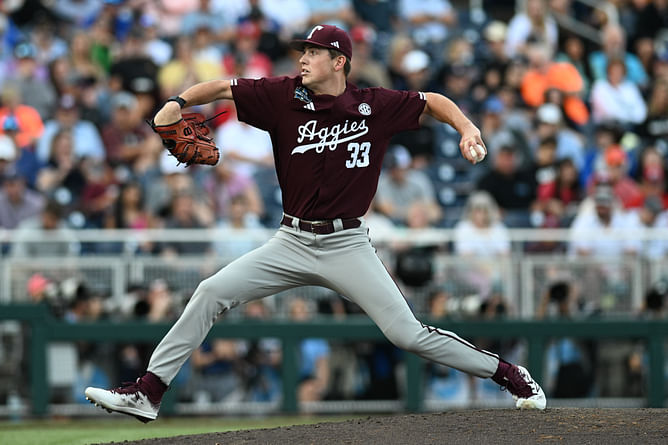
(257, 274)
(360, 275)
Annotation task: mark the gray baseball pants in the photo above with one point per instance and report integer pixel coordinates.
(344, 261)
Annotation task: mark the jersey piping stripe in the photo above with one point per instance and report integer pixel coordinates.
(431, 329)
(422, 95)
(233, 82)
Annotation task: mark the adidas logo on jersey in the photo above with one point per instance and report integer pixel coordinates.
(310, 106)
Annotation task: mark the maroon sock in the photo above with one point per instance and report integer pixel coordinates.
(503, 367)
(151, 385)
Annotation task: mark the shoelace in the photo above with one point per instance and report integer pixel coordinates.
(525, 389)
(127, 388)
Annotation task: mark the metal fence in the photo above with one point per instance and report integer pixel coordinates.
(109, 264)
(613, 285)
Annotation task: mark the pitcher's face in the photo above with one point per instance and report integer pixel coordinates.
(316, 66)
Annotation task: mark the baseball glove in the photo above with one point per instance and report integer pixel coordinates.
(187, 140)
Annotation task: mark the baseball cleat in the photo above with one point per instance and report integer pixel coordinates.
(526, 392)
(127, 399)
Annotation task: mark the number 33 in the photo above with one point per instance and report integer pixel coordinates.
(359, 156)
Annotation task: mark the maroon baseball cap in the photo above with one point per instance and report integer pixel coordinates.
(326, 36)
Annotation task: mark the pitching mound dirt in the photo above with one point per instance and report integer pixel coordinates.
(469, 427)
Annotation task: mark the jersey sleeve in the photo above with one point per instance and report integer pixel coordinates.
(257, 100)
(401, 109)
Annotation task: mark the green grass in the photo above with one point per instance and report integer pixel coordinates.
(117, 429)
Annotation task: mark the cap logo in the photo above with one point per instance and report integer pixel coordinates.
(335, 44)
(315, 28)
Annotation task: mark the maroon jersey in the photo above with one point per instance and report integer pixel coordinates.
(328, 149)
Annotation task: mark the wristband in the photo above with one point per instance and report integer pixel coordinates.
(178, 99)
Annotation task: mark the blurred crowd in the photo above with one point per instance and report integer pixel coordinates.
(561, 113)
(576, 125)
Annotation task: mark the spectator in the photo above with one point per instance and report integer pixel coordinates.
(314, 357)
(62, 178)
(217, 366)
(35, 92)
(246, 59)
(127, 139)
(591, 231)
(184, 69)
(263, 359)
(558, 197)
(99, 194)
(158, 49)
(170, 13)
(615, 172)
(569, 367)
(7, 154)
(652, 174)
(398, 47)
(183, 215)
(77, 12)
(442, 382)
(574, 52)
(24, 159)
(204, 16)
(17, 202)
(239, 217)
(615, 98)
(415, 69)
(512, 188)
(532, 24)
(550, 124)
(546, 78)
(481, 233)
(129, 211)
(292, 16)
(614, 47)
(367, 71)
(482, 239)
(651, 215)
(382, 17)
(81, 62)
(331, 12)
(499, 132)
(56, 239)
(656, 125)
(428, 21)
(85, 136)
(400, 186)
(48, 45)
(28, 121)
(133, 70)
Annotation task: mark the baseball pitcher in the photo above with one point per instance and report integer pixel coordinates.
(329, 138)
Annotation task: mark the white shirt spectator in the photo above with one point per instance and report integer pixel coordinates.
(478, 242)
(651, 249)
(86, 138)
(291, 15)
(331, 8)
(246, 148)
(623, 102)
(520, 28)
(590, 236)
(434, 30)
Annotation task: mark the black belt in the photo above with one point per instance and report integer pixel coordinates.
(322, 227)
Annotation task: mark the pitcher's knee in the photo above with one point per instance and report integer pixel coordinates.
(205, 290)
(405, 342)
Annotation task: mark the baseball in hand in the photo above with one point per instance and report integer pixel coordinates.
(477, 152)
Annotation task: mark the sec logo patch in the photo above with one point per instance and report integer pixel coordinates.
(364, 109)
